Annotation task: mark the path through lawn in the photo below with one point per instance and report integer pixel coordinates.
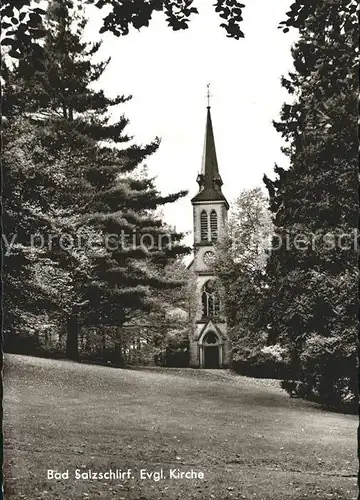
(247, 436)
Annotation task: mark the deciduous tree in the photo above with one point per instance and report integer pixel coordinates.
(240, 267)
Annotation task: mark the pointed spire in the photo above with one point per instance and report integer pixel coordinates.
(209, 167)
(209, 179)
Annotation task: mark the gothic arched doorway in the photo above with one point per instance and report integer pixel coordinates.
(211, 351)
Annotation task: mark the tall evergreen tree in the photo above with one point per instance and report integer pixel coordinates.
(84, 179)
(312, 271)
(21, 218)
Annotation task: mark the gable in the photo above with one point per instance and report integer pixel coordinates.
(210, 326)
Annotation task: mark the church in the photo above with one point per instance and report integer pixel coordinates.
(209, 344)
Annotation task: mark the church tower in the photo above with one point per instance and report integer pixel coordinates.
(210, 346)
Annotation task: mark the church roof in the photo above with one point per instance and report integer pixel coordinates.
(209, 179)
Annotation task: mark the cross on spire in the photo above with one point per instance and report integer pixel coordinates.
(208, 95)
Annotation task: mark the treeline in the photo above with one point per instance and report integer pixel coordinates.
(72, 177)
(295, 315)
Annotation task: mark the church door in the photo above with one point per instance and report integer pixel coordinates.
(211, 357)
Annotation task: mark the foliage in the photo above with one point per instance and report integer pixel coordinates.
(250, 229)
(168, 318)
(241, 258)
(174, 350)
(23, 216)
(251, 356)
(312, 274)
(240, 263)
(22, 22)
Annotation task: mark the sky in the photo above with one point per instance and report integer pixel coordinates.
(166, 72)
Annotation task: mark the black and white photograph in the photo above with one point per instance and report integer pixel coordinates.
(180, 250)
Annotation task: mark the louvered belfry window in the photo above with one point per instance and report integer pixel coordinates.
(204, 225)
(213, 225)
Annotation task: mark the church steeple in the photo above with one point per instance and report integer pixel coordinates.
(209, 178)
(209, 343)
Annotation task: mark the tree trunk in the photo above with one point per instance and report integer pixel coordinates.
(103, 347)
(72, 347)
(118, 354)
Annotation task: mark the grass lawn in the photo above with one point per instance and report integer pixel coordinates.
(250, 440)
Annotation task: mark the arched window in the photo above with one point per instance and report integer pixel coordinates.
(213, 225)
(210, 299)
(210, 338)
(204, 226)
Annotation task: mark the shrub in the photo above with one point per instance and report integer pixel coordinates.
(175, 350)
(328, 367)
(251, 356)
